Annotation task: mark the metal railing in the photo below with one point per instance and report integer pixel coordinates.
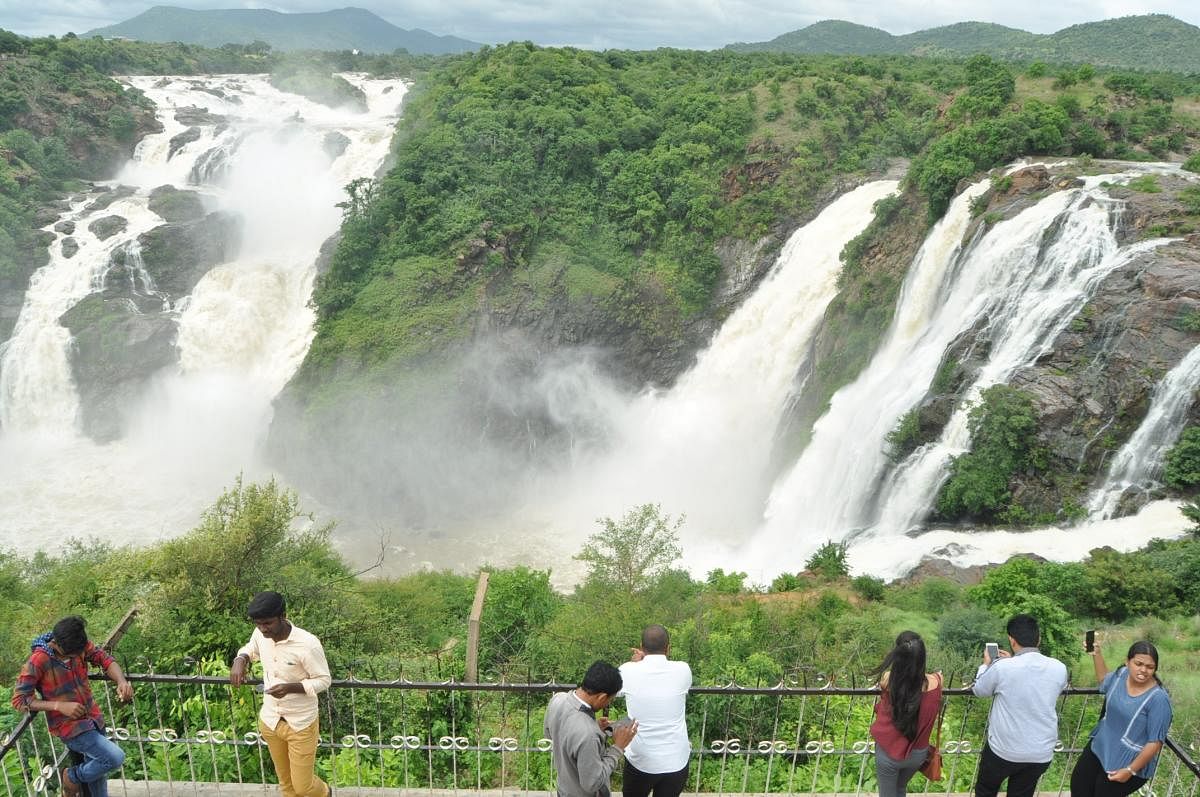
(184, 730)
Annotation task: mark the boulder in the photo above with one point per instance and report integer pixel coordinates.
(107, 226)
(181, 140)
(107, 197)
(173, 204)
(335, 144)
(177, 255)
(69, 247)
(115, 350)
(65, 227)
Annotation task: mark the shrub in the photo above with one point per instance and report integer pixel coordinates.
(1003, 442)
(964, 630)
(868, 588)
(1182, 469)
(829, 561)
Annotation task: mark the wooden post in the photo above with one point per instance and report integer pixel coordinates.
(473, 628)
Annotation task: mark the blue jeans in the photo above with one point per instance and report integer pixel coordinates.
(100, 756)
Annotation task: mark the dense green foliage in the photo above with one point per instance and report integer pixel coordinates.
(1151, 41)
(541, 177)
(1003, 441)
(1182, 466)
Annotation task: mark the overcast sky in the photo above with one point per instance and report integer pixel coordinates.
(646, 24)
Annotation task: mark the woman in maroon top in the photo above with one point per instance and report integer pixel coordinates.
(904, 715)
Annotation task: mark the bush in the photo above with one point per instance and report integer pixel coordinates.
(1182, 468)
(1003, 442)
(869, 588)
(964, 630)
(829, 561)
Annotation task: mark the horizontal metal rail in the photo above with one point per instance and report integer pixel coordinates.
(190, 729)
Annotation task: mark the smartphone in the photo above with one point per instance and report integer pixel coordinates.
(993, 651)
(1089, 640)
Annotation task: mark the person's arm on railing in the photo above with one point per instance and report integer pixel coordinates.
(117, 675)
(241, 662)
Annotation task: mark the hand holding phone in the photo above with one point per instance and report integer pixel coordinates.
(991, 651)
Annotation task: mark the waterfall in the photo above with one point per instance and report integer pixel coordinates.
(1139, 462)
(703, 447)
(1019, 284)
(253, 152)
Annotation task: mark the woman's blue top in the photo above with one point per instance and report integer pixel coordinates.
(1129, 723)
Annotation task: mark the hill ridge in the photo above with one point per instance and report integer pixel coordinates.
(350, 27)
(1144, 41)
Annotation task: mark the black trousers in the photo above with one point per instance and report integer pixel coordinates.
(1089, 779)
(636, 783)
(1022, 775)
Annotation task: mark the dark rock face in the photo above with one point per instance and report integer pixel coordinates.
(175, 205)
(181, 140)
(115, 350)
(69, 247)
(107, 226)
(176, 256)
(108, 196)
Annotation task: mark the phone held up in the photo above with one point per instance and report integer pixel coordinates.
(993, 651)
(1089, 641)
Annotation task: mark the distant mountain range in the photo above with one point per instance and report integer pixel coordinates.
(1151, 41)
(343, 29)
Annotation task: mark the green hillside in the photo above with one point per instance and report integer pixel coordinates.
(343, 29)
(1151, 41)
(966, 38)
(832, 36)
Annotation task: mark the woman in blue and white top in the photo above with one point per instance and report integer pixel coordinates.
(1125, 744)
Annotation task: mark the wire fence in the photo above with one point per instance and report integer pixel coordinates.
(182, 731)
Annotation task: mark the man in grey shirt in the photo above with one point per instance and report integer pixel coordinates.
(1023, 724)
(583, 761)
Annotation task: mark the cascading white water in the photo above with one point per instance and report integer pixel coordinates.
(243, 331)
(836, 475)
(1138, 462)
(1023, 286)
(703, 447)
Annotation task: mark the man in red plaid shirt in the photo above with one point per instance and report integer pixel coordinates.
(57, 670)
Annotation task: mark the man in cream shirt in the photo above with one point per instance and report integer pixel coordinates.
(655, 690)
(294, 673)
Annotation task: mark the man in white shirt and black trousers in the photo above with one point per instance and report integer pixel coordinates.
(655, 689)
(294, 673)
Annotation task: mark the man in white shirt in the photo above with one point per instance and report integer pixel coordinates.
(294, 673)
(655, 690)
(1023, 724)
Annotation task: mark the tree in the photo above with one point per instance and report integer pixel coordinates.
(628, 554)
(829, 561)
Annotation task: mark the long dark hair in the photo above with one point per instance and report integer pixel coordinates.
(905, 665)
(1144, 647)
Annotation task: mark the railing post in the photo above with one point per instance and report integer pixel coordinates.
(473, 628)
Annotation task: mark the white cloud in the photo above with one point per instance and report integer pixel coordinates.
(636, 25)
